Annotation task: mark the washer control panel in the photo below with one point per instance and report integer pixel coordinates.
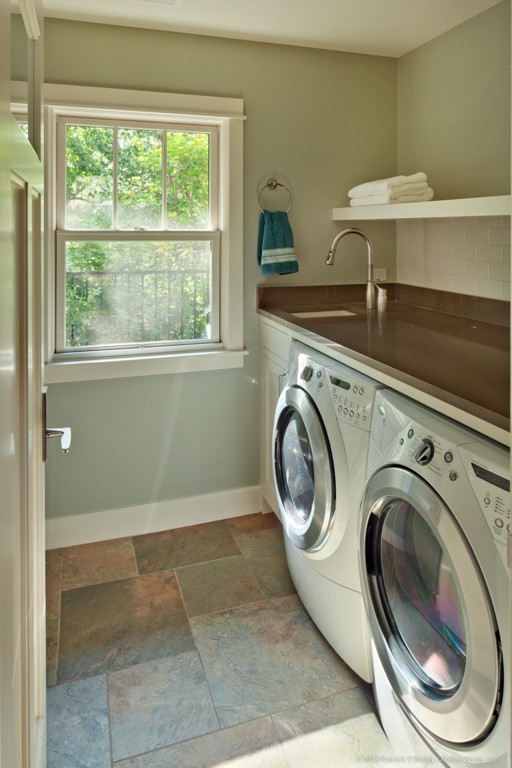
(352, 399)
(352, 394)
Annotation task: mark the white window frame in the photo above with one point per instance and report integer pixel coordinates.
(226, 117)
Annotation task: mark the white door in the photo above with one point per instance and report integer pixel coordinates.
(22, 667)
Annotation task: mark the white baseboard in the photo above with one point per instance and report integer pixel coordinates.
(150, 518)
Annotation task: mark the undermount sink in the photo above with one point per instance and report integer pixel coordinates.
(324, 313)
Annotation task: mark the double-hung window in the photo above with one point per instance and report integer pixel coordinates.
(147, 250)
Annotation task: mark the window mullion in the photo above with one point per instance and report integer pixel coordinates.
(164, 179)
(114, 180)
(61, 176)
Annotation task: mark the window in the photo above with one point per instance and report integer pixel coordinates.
(137, 243)
(147, 249)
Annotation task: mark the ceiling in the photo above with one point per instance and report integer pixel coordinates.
(380, 27)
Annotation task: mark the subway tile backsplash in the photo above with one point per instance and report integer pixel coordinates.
(467, 255)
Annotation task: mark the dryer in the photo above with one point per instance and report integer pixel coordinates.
(435, 518)
(321, 435)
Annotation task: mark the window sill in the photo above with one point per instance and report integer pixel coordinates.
(121, 367)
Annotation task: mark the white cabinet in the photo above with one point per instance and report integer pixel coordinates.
(275, 347)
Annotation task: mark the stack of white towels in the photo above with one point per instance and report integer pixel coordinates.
(397, 189)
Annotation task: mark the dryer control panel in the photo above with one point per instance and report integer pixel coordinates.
(489, 476)
(489, 480)
(468, 471)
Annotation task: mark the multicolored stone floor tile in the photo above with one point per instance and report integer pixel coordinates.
(266, 657)
(184, 546)
(159, 703)
(340, 731)
(219, 584)
(97, 563)
(53, 583)
(190, 648)
(253, 522)
(263, 551)
(77, 731)
(52, 650)
(254, 744)
(114, 625)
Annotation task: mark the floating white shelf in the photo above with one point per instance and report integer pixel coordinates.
(500, 205)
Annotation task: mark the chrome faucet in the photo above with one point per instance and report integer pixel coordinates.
(370, 288)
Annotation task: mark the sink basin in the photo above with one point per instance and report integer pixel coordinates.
(324, 313)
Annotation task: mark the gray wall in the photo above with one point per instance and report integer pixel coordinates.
(454, 108)
(319, 121)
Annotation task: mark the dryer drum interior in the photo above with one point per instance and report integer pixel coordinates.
(430, 613)
(303, 470)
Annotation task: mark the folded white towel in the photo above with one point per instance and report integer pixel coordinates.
(409, 189)
(388, 198)
(382, 186)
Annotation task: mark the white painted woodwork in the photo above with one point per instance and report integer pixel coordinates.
(498, 205)
(227, 115)
(275, 347)
(152, 517)
(22, 620)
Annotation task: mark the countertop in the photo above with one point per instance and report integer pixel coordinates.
(460, 362)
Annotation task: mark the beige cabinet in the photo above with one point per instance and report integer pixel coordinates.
(275, 347)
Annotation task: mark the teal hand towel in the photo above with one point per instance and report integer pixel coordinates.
(276, 255)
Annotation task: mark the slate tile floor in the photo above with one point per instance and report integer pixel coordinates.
(190, 649)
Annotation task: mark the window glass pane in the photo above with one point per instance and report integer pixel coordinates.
(139, 185)
(137, 292)
(188, 180)
(89, 177)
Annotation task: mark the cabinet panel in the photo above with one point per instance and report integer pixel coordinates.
(275, 341)
(275, 349)
(273, 375)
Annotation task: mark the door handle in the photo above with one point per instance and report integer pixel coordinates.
(65, 437)
(63, 432)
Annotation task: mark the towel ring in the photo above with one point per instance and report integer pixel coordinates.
(272, 184)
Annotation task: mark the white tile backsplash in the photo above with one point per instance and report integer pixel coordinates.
(463, 255)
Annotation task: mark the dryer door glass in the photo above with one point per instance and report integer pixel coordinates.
(303, 470)
(422, 599)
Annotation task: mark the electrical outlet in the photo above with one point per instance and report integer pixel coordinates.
(380, 275)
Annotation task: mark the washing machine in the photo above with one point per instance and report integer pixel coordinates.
(320, 446)
(434, 525)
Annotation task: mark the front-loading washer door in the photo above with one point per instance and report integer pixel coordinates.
(303, 470)
(430, 614)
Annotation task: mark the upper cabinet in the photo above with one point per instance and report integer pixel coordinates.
(500, 205)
